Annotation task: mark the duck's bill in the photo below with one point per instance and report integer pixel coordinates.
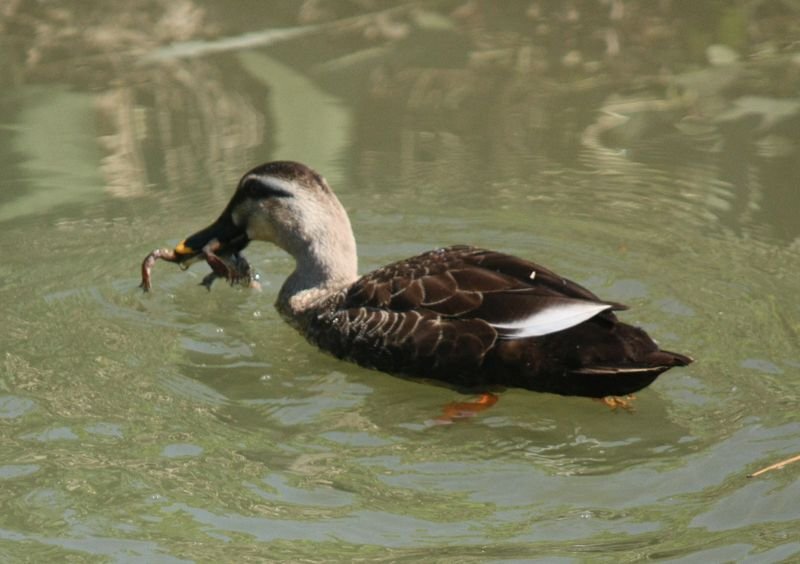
(220, 238)
(219, 245)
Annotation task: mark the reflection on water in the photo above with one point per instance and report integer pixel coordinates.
(650, 154)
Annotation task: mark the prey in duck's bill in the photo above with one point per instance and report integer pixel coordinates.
(469, 317)
(219, 244)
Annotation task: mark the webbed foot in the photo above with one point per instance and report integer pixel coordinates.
(619, 402)
(457, 410)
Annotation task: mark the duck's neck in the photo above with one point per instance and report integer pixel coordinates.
(323, 265)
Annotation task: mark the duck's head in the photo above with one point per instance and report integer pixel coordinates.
(282, 202)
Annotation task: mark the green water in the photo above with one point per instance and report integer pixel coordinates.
(192, 426)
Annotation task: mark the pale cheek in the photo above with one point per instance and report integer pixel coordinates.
(260, 230)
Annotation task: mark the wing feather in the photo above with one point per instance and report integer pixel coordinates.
(516, 297)
(556, 316)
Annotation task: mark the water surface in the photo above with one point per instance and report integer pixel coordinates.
(651, 157)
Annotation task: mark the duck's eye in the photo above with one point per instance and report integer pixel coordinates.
(251, 188)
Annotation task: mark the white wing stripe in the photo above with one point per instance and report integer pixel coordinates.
(552, 319)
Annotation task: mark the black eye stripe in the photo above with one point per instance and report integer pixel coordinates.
(257, 188)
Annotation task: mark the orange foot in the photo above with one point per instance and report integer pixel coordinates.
(617, 402)
(465, 409)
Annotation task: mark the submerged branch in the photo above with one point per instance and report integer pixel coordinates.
(199, 48)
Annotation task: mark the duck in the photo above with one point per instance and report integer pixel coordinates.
(463, 316)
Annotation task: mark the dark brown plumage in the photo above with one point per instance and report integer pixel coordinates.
(435, 315)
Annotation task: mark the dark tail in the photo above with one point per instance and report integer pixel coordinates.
(668, 358)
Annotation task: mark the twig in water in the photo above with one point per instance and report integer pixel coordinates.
(776, 466)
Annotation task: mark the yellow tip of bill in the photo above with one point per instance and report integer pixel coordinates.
(182, 249)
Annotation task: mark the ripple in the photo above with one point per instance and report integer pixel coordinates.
(12, 407)
(179, 450)
(761, 365)
(54, 434)
(11, 471)
(105, 429)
